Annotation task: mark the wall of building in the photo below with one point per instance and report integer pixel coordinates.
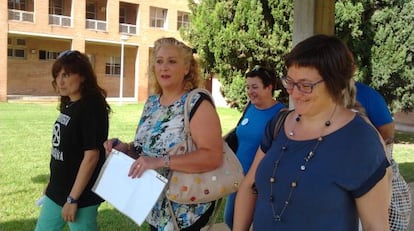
(31, 76)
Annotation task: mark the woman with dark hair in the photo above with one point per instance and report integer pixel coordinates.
(326, 166)
(260, 88)
(175, 72)
(77, 146)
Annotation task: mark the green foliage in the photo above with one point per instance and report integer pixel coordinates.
(233, 36)
(381, 36)
(393, 72)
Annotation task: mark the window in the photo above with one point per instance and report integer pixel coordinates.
(20, 42)
(90, 10)
(122, 15)
(113, 66)
(182, 19)
(56, 7)
(16, 48)
(17, 4)
(48, 55)
(158, 17)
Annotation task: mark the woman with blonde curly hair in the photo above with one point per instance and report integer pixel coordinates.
(161, 126)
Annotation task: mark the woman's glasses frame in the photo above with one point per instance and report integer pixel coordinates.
(304, 87)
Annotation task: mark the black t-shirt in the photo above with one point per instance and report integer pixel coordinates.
(82, 126)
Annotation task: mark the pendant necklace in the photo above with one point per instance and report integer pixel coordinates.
(277, 215)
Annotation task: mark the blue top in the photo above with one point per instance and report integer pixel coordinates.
(249, 134)
(375, 106)
(346, 165)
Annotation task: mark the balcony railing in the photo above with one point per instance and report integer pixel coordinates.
(127, 28)
(96, 24)
(60, 20)
(20, 15)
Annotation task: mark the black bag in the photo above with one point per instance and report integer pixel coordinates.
(231, 140)
(231, 137)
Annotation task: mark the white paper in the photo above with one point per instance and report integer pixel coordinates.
(132, 197)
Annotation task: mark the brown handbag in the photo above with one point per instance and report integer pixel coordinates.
(194, 188)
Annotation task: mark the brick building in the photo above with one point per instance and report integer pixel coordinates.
(34, 32)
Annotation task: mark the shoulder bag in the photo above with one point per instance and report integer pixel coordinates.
(194, 188)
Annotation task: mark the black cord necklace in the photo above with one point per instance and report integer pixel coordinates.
(277, 216)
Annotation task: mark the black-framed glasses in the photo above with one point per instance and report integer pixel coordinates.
(305, 87)
(67, 53)
(259, 69)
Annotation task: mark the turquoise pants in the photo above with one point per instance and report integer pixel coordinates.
(50, 218)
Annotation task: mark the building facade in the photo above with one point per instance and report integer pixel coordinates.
(116, 35)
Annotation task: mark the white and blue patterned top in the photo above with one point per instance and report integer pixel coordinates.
(159, 129)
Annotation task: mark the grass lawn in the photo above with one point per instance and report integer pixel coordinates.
(25, 135)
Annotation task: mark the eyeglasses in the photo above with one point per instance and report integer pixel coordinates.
(305, 87)
(67, 53)
(258, 69)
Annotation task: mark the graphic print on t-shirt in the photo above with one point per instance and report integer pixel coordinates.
(62, 120)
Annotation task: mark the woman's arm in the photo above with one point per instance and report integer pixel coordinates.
(205, 130)
(246, 197)
(373, 206)
(85, 172)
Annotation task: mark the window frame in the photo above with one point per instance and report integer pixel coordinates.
(158, 16)
(113, 66)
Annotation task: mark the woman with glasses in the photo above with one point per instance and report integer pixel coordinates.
(77, 153)
(260, 88)
(326, 166)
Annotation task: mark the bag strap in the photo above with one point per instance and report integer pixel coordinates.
(187, 105)
(211, 222)
(215, 214)
(173, 217)
(187, 133)
(280, 120)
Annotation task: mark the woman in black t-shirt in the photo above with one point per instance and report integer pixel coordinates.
(77, 153)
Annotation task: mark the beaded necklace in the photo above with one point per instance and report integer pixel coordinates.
(278, 216)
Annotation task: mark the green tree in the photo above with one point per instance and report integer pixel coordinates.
(381, 36)
(233, 36)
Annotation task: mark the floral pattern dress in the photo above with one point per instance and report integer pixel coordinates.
(159, 129)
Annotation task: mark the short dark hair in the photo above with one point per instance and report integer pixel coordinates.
(266, 75)
(330, 56)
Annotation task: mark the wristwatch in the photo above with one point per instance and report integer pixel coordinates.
(71, 200)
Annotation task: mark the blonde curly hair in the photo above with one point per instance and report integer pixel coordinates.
(192, 79)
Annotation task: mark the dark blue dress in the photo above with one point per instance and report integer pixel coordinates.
(346, 165)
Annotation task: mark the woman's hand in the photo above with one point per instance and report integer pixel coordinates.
(109, 144)
(143, 163)
(69, 212)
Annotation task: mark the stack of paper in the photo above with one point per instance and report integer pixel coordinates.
(132, 197)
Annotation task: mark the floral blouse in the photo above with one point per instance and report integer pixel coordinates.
(159, 129)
